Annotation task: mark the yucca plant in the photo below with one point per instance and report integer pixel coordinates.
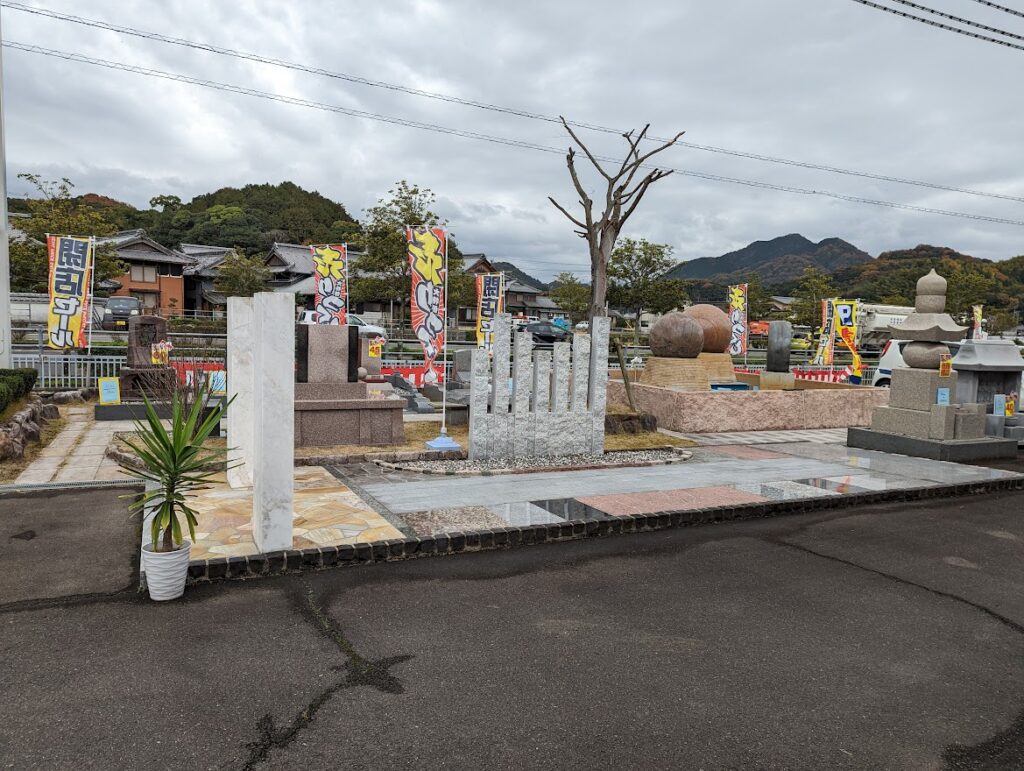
(174, 458)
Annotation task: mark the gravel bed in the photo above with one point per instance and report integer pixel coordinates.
(566, 462)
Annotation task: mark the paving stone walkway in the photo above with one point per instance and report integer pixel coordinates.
(77, 453)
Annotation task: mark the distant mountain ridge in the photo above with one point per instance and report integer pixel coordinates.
(520, 275)
(779, 261)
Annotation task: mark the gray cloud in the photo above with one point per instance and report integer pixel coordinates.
(832, 83)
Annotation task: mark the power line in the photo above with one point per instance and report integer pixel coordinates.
(1001, 8)
(958, 19)
(483, 105)
(108, 64)
(939, 24)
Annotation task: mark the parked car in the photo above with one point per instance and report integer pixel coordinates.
(547, 333)
(119, 310)
(892, 357)
(365, 330)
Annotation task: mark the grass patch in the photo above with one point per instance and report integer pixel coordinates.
(8, 412)
(649, 440)
(10, 469)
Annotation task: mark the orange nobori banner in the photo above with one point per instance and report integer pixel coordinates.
(330, 271)
(69, 285)
(428, 266)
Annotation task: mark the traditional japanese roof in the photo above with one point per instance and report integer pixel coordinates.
(136, 246)
(207, 258)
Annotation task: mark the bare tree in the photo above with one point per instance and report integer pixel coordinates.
(623, 194)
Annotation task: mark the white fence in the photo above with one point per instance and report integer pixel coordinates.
(69, 372)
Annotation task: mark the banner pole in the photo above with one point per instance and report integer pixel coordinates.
(444, 347)
(92, 287)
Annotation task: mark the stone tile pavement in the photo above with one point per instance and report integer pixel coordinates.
(76, 454)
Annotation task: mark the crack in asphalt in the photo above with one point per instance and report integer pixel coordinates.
(358, 671)
(1003, 750)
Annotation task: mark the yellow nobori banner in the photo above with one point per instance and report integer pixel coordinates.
(70, 276)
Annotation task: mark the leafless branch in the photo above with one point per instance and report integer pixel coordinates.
(585, 149)
(561, 208)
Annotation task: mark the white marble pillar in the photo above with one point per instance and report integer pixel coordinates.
(274, 423)
(240, 386)
(600, 328)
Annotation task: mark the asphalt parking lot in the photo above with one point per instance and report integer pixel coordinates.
(889, 636)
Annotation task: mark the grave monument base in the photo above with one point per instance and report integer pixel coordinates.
(954, 450)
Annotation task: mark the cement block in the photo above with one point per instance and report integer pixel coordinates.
(893, 420)
(970, 424)
(994, 425)
(917, 389)
(1015, 433)
(955, 451)
(943, 422)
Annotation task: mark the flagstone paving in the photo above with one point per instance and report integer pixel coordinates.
(326, 513)
(816, 436)
(718, 475)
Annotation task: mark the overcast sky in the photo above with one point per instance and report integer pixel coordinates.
(824, 81)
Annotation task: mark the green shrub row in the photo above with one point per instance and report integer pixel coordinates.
(15, 383)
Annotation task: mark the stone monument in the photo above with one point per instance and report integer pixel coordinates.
(557, 400)
(689, 350)
(924, 417)
(332, 406)
(990, 369)
(776, 375)
(143, 376)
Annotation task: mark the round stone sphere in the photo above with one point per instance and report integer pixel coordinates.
(715, 322)
(921, 355)
(676, 336)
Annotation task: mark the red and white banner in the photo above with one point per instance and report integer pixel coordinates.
(330, 271)
(428, 266)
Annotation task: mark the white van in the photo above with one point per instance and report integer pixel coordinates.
(892, 357)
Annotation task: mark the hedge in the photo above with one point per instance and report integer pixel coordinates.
(15, 383)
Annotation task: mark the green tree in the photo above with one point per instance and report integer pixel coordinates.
(814, 287)
(572, 296)
(759, 302)
(382, 275)
(966, 288)
(241, 276)
(55, 212)
(636, 275)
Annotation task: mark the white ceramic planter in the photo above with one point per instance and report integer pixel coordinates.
(166, 571)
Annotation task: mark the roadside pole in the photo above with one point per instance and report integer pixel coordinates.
(5, 256)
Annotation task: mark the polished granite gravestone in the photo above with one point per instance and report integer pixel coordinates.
(332, 407)
(776, 375)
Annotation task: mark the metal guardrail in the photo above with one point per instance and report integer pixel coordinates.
(69, 372)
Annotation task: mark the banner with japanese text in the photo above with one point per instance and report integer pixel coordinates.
(68, 320)
(428, 265)
(330, 271)
(825, 352)
(490, 301)
(846, 330)
(738, 318)
(977, 316)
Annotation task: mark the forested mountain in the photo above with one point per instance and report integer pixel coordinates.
(779, 262)
(519, 275)
(251, 217)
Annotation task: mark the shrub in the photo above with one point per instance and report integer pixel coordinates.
(15, 384)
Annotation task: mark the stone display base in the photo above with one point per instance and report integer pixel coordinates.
(955, 450)
(719, 367)
(153, 381)
(328, 414)
(137, 411)
(777, 381)
(683, 374)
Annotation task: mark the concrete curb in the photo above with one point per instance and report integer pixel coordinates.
(326, 557)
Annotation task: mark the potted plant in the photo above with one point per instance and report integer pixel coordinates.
(174, 464)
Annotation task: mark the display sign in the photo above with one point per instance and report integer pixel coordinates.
(376, 348)
(490, 301)
(110, 390)
(216, 381)
(330, 272)
(846, 329)
(738, 319)
(68, 318)
(825, 352)
(945, 365)
(428, 264)
(160, 352)
(942, 396)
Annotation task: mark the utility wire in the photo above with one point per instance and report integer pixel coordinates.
(940, 25)
(473, 134)
(958, 19)
(483, 105)
(1001, 8)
